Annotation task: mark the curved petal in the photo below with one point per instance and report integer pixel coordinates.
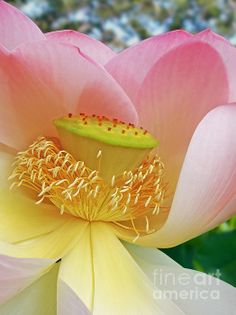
(194, 292)
(46, 80)
(88, 45)
(77, 269)
(16, 28)
(39, 298)
(144, 55)
(206, 190)
(22, 219)
(223, 215)
(107, 279)
(68, 302)
(227, 52)
(29, 230)
(150, 257)
(17, 273)
(177, 93)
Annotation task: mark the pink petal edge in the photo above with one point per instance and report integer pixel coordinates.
(176, 94)
(206, 190)
(227, 52)
(88, 45)
(131, 66)
(16, 28)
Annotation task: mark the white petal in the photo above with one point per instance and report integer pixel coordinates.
(17, 273)
(38, 299)
(194, 292)
(68, 302)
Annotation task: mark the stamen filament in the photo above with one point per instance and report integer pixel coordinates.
(77, 190)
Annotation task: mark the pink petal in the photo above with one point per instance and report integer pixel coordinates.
(16, 28)
(68, 301)
(88, 45)
(228, 54)
(176, 94)
(131, 66)
(224, 214)
(45, 80)
(17, 273)
(206, 191)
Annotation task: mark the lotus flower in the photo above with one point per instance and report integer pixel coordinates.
(89, 197)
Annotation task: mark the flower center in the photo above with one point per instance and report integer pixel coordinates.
(76, 180)
(109, 146)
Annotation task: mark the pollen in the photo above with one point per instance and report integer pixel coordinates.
(55, 176)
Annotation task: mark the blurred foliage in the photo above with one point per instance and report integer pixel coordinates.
(122, 22)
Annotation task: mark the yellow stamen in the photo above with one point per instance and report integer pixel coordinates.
(56, 176)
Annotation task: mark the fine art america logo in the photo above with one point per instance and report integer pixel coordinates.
(185, 286)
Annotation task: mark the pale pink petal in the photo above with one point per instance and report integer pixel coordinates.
(224, 214)
(228, 54)
(206, 191)
(88, 45)
(131, 66)
(37, 299)
(45, 80)
(68, 302)
(194, 292)
(176, 94)
(17, 273)
(16, 28)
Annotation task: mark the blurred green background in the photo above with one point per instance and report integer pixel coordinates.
(122, 23)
